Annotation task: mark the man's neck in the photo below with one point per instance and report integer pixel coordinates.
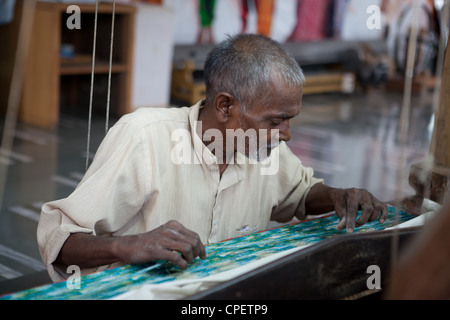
(209, 121)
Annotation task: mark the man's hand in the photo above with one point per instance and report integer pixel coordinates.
(171, 242)
(346, 203)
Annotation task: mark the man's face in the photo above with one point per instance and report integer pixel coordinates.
(266, 126)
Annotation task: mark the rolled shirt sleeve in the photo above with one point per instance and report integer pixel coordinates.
(106, 200)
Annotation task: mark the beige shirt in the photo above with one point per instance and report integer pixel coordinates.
(136, 183)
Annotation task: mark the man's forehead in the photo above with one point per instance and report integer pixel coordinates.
(275, 111)
(286, 112)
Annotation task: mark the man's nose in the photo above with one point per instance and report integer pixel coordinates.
(285, 132)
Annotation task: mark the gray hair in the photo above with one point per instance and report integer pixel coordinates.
(244, 66)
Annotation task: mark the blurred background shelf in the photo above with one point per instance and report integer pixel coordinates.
(50, 77)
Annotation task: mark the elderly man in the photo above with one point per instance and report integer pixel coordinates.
(166, 181)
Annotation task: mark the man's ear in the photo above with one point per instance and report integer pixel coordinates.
(224, 105)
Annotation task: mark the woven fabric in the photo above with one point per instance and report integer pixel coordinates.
(222, 256)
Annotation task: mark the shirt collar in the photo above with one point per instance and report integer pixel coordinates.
(204, 155)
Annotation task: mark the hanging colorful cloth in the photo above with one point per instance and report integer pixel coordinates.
(260, 13)
(244, 13)
(206, 12)
(311, 21)
(248, 11)
(153, 1)
(265, 13)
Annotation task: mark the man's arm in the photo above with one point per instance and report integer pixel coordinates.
(171, 242)
(346, 203)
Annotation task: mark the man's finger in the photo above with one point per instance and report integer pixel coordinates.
(190, 244)
(197, 245)
(367, 210)
(384, 213)
(186, 251)
(381, 211)
(175, 258)
(352, 209)
(341, 212)
(342, 223)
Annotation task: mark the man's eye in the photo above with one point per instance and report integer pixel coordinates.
(275, 122)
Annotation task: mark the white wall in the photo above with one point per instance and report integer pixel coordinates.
(355, 18)
(153, 52)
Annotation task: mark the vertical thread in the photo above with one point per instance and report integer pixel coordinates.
(108, 101)
(92, 86)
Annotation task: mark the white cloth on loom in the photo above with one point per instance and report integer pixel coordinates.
(181, 289)
(428, 210)
(134, 185)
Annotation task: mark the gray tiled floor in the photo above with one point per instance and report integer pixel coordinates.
(44, 166)
(354, 141)
(349, 140)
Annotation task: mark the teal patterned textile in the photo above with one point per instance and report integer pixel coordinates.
(221, 257)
